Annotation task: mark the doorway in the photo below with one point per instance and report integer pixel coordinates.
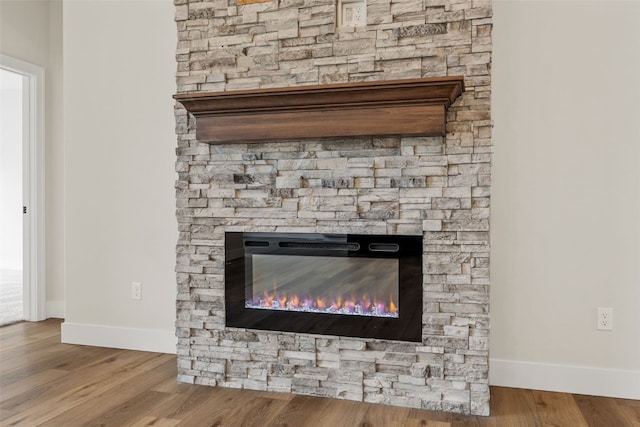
(12, 119)
(22, 262)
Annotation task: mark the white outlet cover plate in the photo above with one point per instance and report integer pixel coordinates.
(136, 290)
(605, 319)
(352, 13)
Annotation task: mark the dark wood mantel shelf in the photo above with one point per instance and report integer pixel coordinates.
(415, 107)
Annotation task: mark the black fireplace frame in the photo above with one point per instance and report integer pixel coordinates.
(406, 249)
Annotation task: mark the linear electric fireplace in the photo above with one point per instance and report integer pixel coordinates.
(356, 285)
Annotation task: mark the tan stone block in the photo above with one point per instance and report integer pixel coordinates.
(432, 225)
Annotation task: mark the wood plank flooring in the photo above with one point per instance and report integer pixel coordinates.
(45, 383)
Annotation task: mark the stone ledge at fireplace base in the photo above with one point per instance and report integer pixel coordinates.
(387, 372)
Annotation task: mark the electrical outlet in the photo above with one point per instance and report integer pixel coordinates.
(352, 13)
(136, 290)
(605, 319)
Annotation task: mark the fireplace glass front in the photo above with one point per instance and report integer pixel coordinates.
(334, 284)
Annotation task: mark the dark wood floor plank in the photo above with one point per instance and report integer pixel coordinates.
(299, 409)
(66, 401)
(384, 415)
(183, 402)
(414, 422)
(21, 356)
(150, 421)
(173, 386)
(46, 344)
(129, 411)
(56, 397)
(150, 361)
(23, 333)
(342, 412)
(121, 400)
(258, 411)
(516, 406)
(630, 410)
(424, 417)
(8, 332)
(600, 411)
(277, 395)
(24, 384)
(558, 409)
(109, 362)
(213, 410)
(34, 362)
(458, 420)
(4, 414)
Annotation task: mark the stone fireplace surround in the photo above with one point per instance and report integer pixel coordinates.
(437, 187)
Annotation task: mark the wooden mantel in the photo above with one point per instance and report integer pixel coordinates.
(415, 107)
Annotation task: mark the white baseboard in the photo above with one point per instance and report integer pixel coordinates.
(154, 340)
(565, 378)
(54, 309)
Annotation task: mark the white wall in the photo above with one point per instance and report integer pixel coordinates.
(119, 69)
(24, 30)
(31, 31)
(54, 164)
(566, 195)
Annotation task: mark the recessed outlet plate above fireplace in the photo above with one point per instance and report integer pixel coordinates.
(330, 284)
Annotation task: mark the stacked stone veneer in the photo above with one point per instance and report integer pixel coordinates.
(437, 187)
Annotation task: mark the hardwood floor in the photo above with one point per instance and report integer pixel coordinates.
(45, 383)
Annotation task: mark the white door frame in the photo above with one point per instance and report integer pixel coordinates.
(34, 263)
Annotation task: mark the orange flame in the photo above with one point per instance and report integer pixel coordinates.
(295, 301)
(353, 303)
